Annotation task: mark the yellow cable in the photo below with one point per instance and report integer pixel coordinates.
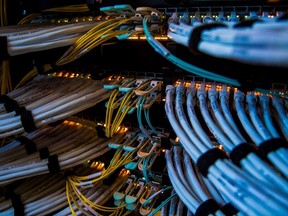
(27, 77)
(69, 8)
(92, 39)
(109, 111)
(68, 198)
(28, 18)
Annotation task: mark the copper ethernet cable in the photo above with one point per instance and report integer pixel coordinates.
(227, 137)
(222, 173)
(274, 147)
(69, 98)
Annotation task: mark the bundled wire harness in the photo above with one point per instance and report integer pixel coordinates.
(46, 194)
(48, 99)
(235, 166)
(250, 41)
(50, 149)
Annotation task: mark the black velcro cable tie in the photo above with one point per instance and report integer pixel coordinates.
(209, 158)
(100, 131)
(271, 145)
(241, 151)
(229, 210)
(4, 55)
(206, 208)
(16, 203)
(53, 164)
(29, 145)
(28, 121)
(44, 153)
(195, 36)
(9, 104)
(19, 110)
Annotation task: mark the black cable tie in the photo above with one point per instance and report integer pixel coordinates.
(195, 36)
(19, 110)
(28, 121)
(271, 145)
(29, 145)
(241, 151)
(208, 159)
(101, 131)
(9, 104)
(206, 208)
(16, 203)
(229, 210)
(4, 55)
(44, 153)
(53, 164)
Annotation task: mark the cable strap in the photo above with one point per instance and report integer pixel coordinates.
(29, 145)
(229, 210)
(100, 131)
(44, 153)
(272, 145)
(9, 104)
(195, 36)
(27, 121)
(16, 203)
(206, 208)
(208, 159)
(4, 48)
(53, 164)
(241, 151)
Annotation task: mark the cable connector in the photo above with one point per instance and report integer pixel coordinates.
(251, 98)
(240, 96)
(213, 92)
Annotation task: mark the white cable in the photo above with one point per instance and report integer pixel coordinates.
(280, 109)
(254, 116)
(213, 95)
(221, 138)
(264, 101)
(224, 100)
(192, 151)
(183, 120)
(191, 92)
(238, 101)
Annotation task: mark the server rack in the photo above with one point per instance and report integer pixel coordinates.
(134, 58)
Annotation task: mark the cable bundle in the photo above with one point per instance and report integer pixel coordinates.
(95, 36)
(123, 99)
(50, 149)
(198, 194)
(250, 41)
(236, 183)
(69, 8)
(45, 100)
(45, 194)
(36, 37)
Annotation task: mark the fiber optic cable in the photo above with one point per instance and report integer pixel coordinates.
(182, 64)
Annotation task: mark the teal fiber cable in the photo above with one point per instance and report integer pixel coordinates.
(182, 64)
